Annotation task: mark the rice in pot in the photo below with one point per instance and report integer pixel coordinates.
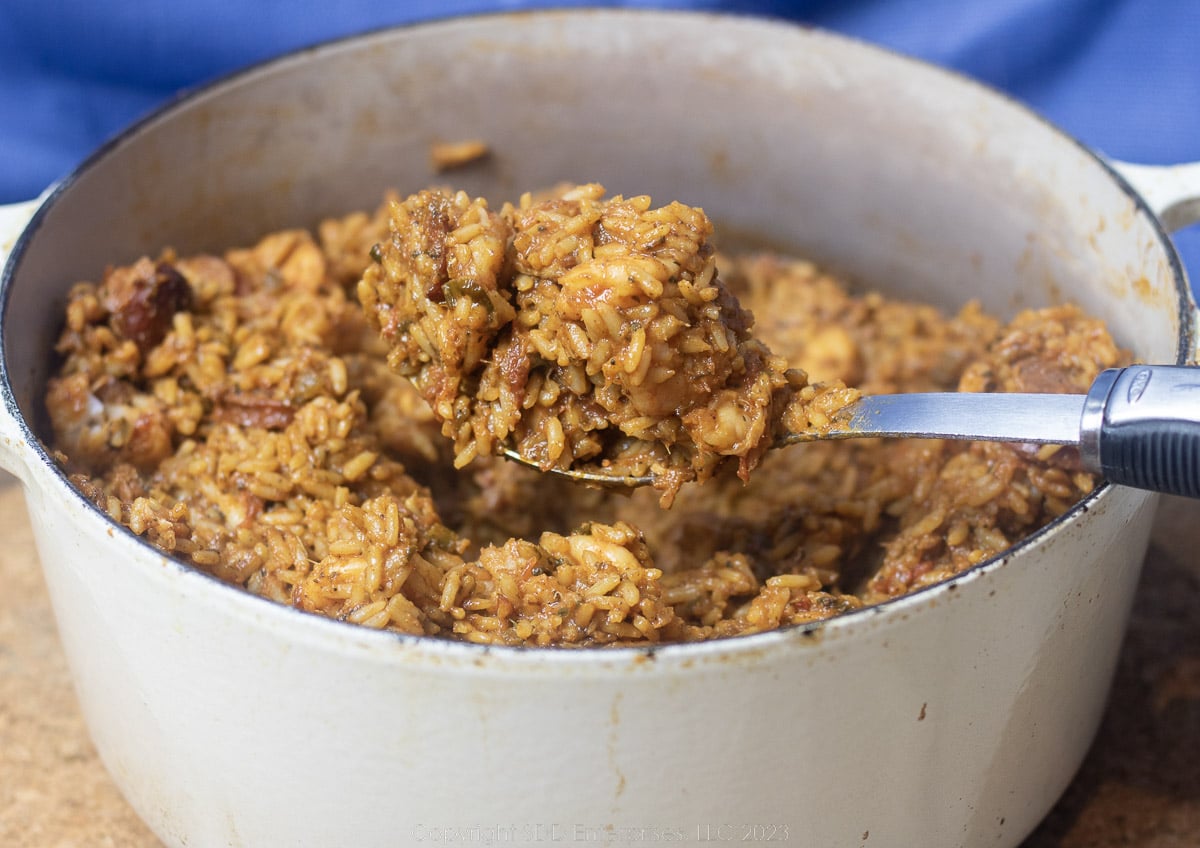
(581, 330)
(239, 412)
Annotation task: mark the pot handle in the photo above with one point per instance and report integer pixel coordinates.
(1173, 194)
(13, 218)
(1171, 191)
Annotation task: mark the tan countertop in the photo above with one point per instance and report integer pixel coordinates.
(1140, 786)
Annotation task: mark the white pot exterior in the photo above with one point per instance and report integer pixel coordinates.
(952, 717)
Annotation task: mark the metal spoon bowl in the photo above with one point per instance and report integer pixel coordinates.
(1137, 426)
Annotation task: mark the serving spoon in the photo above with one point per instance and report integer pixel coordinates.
(1137, 426)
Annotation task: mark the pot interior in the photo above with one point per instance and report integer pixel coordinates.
(900, 176)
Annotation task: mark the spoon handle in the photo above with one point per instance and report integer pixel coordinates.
(1141, 428)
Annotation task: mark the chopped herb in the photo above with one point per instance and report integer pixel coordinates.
(443, 537)
(466, 287)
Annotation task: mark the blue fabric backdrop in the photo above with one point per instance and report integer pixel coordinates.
(1122, 75)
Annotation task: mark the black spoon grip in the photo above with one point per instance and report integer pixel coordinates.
(1141, 428)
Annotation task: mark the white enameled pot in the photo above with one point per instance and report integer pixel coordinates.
(952, 717)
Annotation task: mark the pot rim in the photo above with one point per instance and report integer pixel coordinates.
(312, 628)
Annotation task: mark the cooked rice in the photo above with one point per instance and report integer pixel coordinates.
(447, 155)
(581, 330)
(238, 412)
